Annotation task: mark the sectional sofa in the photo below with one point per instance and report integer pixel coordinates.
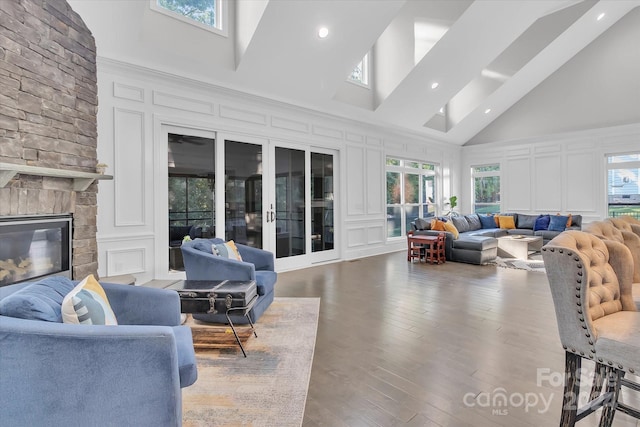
(474, 239)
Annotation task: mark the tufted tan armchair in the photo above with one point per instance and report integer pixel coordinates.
(620, 231)
(626, 223)
(591, 282)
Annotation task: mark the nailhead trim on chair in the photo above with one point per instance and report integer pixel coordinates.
(581, 318)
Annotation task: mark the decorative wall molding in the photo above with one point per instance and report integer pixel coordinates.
(327, 132)
(132, 93)
(182, 103)
(242, 115)
(288, 124)
(354, 137)
(126, 261)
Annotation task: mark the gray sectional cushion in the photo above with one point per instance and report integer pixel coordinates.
(526, 221)
(422, 224)
(520, 232)
(460, 223)
(474, 222)
(476, 243)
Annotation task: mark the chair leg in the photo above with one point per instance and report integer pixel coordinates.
(571, 390)
(598, 379)
(614, 381)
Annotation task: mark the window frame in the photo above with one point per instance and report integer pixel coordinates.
(485, 174)
(613, 165)
(221, 12)
(403, 169)
(365, 73)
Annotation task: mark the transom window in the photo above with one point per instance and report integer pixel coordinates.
(360, 74)
(486, 188)
(623, 187)
(411, 194)
(205, 14)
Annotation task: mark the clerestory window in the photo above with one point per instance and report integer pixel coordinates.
(360, 74)
(207, 14)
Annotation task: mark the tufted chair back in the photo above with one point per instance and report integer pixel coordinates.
(626, 223)
(585, 287)
(619, 231)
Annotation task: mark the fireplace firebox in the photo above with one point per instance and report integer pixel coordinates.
(34, 246)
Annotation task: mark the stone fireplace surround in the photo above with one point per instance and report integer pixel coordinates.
(48, 107)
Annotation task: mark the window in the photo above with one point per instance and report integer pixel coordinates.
(360, 74)
(623, 189)
(205, 14)
(411, 194)
(486, 188)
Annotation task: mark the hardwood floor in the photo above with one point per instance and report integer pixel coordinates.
(413, 344)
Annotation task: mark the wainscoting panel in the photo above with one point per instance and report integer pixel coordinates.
(246, 116)
(126, 261)
(328, 132)
(356, 237)
(375, 182)
(287, 124)
(131, 93)
(182, 103)
(548, 183)
(517, 187)
(355, 180)
(583, 178)
(375, 235)
(129, 168)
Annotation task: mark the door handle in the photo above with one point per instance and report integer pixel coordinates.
(273, 216)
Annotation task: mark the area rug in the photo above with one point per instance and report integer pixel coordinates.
(269, 386)
(534, 263)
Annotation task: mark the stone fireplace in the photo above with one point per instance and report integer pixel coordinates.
(48, 106)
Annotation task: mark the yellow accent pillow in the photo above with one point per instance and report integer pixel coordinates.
(437, 225)
(87, 304)
(448, 226)
(507, 222)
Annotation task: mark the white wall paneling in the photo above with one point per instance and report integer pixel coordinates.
(131, 140)
(547, 183)
(375, 182)
(126, 261)
(517, 188)
(584, 172)
(129, 167)
(355, 180)
(131, 93)
(182, 103)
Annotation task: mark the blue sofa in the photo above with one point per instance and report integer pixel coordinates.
(55, 374)
(201, 264)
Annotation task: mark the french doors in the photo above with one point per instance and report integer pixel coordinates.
(277, 196)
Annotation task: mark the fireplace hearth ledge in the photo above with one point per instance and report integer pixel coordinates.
(81, 180)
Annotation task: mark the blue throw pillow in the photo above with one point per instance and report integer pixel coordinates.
(41, 300)
(203, 245)
(542, 223)
(558, 223)
(488, 221)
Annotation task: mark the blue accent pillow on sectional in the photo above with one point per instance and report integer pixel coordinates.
(488, 221)
(41, 300)
(558, 223)
(203, 245)
(542, 223)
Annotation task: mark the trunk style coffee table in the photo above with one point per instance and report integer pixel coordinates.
(518, 246)
(218, 296)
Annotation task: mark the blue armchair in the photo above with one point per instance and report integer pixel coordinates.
(62, 374)
(201, 264)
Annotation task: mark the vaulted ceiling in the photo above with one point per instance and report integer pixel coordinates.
(482, 55)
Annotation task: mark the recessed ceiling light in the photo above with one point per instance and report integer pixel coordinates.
(323, 32)
(487, 111)
(600, 16)
(435, 85)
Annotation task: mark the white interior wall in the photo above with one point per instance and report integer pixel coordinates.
(134, 104)
(559, 173)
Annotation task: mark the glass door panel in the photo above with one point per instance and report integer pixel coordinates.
(290, 201)
(243, 193)
(191, 170)
(322, 215)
